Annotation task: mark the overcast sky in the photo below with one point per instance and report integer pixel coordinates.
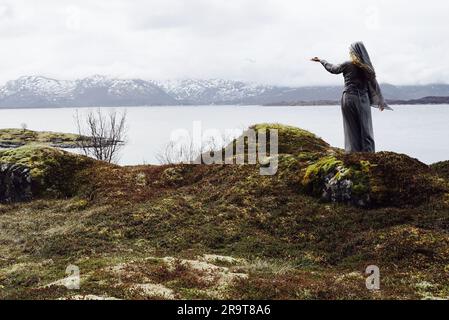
(265, 41)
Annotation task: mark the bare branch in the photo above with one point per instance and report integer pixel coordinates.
(101, 136)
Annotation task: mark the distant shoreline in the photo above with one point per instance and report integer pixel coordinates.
(433, 100)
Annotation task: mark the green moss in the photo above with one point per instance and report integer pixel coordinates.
(360, 176)
(38, 159)
(53, 171)
(24, 136)
(316, 172)
(293, 140)
(372, 179)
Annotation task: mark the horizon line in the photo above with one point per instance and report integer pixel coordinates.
(211, 79)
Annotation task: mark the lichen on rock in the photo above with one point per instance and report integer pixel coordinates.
(333, 181)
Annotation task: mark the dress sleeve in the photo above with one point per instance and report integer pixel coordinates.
(333, 68)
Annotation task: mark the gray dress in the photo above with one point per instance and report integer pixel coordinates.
(355, 106)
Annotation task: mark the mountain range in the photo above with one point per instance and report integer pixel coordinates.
(98, 90)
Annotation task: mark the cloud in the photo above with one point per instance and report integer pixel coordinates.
(264, 41)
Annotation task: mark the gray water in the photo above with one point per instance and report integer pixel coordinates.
(419, 131)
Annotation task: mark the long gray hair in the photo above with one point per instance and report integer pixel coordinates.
(360, 57)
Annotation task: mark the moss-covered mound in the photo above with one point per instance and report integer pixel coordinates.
(52, 171)
(290, 141)
(18, 137)
(312, 166)
(383, 178)
(293, 140)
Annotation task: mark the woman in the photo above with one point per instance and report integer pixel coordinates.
(361, 92)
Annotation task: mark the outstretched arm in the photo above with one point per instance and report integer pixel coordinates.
(332, 68)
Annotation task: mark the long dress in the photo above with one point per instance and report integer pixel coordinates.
(355, 107)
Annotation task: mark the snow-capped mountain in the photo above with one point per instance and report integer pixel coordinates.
(104, 91)
(37, 91)
(38, 85)
(98, 90)
(32, 91)
(218, 91)
(213, 91)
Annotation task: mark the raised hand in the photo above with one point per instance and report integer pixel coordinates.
(315, 59)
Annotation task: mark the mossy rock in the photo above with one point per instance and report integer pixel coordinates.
(53, 171)
(372, 179)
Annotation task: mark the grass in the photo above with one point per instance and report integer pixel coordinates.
(119, 225)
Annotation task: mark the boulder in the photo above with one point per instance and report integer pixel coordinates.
(15, 183)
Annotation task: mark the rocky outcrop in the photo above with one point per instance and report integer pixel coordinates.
(372, 179)
(15, 183)
(363, 179)
(32, 171)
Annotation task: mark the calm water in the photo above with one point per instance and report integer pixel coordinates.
(419, 131)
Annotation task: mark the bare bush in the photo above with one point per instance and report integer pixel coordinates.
(187, 151)
(178, 152)
(101, 135)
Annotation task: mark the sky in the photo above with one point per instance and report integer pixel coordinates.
(262, 41)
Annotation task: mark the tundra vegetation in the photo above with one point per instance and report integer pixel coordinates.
(224, 231)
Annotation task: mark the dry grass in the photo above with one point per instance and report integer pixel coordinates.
(120, 223)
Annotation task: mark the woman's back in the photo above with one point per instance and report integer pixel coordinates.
(356, 81)
(355, 78)
(361, 92)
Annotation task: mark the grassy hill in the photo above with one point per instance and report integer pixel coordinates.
(225, 231)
